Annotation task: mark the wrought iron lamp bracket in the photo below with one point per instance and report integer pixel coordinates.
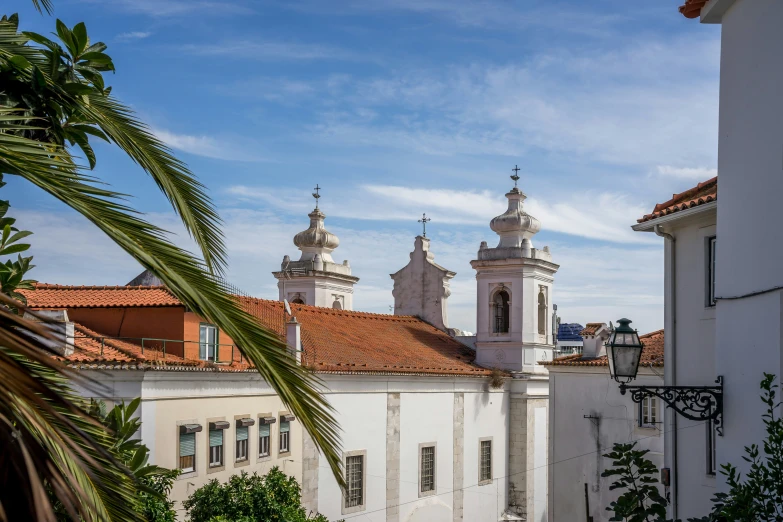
(698, 403)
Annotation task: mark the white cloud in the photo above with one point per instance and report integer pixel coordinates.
(206, 146)
(693, 173)
(133, 35)
(169, 8)
(267, 50)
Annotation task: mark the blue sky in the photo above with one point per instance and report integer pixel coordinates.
(398, 107)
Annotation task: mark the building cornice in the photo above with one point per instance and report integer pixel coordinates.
(648, 226)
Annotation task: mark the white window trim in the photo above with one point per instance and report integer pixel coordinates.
(709, 265)
(363, 506)
(712, 456)
(491, 461)
(434, 489)
(649, 400)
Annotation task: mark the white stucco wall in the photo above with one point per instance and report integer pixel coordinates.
(748, 337)
(426, 415)
(576, 444)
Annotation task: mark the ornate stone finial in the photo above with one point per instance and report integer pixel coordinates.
(316, 194)
(424, 220)
(515, 176)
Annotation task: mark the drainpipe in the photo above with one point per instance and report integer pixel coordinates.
(670, 342)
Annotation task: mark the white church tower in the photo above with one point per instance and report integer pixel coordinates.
(514, 333)
(316, 279)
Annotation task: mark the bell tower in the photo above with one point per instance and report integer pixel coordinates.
(515, 280)
(315, 279)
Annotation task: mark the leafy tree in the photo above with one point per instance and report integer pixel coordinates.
(642, 502)
(249, 498)
(54, 98)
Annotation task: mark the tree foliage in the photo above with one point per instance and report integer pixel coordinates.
(641, 502)
(250, 498)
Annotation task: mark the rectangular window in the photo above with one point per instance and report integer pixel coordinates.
(648, 412)
(263, 440)
(711, 245)
(242, 433)
(427, 469)
(485, 461)
(215, 448)
(354, 473)
(208, 342)
(187, 452)
(285, 437)
(712, 457)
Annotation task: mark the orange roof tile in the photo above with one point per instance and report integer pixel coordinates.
(591, 329)
(692, 8)
(652, 354)
(360, 342)
(62, 296)
(700, 194)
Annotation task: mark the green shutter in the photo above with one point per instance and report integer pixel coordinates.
(263, 430)
(215, 438)
(242, 433)
(187, 444)
(285, 427)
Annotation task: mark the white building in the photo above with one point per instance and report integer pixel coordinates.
(749, 282)
(588, 415)
(687, 222)
(428, 433)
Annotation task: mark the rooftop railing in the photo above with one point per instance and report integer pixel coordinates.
(154, 346)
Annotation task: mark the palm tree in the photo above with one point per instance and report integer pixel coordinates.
(52, 99)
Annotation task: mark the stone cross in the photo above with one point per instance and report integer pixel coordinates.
(424, 220)
(515, 176)
(316, 195)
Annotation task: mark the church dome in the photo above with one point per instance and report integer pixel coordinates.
(514, 225)
(316, 237)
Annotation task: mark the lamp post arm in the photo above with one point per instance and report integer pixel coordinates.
(698, 403)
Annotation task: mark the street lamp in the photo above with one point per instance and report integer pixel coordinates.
(624, 351)
(699, 403)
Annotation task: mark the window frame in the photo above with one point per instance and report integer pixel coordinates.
(221, 451)
(712, 446)
(710, 253)
(194, 468)
(481, 480)
(239, 444)
(268, 441)
(651, 402)
(284, 437)
(206, 344)
(501, 312)
(434, 489)
(347, 510)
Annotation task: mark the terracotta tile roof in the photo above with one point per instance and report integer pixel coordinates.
(692, 8)
(62, 296)
(700, 194)
(342, 341)
(652, 354)
(591, 329)
(92, 349)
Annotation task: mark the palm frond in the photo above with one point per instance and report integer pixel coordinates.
(187, 277)
(45, 4)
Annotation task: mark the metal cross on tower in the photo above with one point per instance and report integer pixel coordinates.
(515, 176)
(424, 220)
(316, 195)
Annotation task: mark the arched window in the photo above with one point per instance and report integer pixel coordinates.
(541, 312)
(298, 301)
(501, 312)
(336, 305)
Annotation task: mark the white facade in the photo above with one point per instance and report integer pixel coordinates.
(690, 357)
(387, 419)
(748, 336)
(587, 417)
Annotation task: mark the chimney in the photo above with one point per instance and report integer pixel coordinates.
(61, 327)
(293, 338)
(594, 335)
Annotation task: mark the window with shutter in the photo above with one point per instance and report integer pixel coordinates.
(215, 448)
(187, 452)
(241, 446)
(285, 437)
(263, 440)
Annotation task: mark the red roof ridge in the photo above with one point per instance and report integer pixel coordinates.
(704, 192)
(334, 311)
(52, 286)
(692, 8)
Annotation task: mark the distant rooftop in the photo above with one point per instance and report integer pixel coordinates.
(569, 332)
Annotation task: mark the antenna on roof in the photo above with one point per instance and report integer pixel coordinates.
(287, 307)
